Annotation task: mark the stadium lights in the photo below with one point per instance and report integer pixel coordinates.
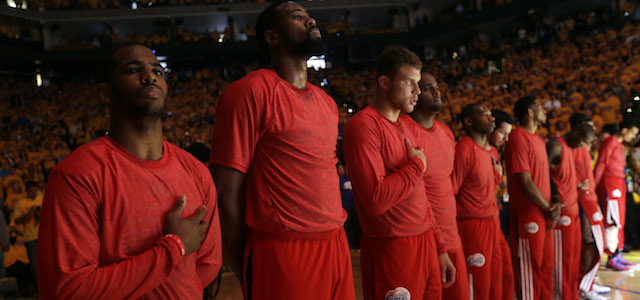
(636, 98)
(12, 4)
(38, 80)
(317, 62)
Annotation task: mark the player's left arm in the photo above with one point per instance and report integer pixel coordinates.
(209, 259)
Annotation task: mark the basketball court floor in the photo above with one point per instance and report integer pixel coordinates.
(624, 286)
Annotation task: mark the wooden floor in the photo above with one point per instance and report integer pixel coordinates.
(624, 286)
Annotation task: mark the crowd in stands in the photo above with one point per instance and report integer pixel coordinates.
(571, 65)
(458, 8)
(593, 70)
(42, 5)
(416, 15)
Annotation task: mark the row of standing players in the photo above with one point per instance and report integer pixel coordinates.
(131, 216)
(449, 191)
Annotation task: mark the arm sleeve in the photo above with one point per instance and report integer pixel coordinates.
(583, 166)
(440, 243)
(210, 253)
(460, 167)
(519, 159)
(240, 117)
(496, 177)
(69, 249)
(376, 190)
(601, 164)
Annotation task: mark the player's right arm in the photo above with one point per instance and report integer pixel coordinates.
(376, 190)
(69, 246)
(461, 161)
(241, 118)
(534, 196)
(601, 164)
(230, 183)
(521, 168)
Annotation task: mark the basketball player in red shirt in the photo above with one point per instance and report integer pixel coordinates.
(567, 233)
(129, 216)
(439, 144)
(488, 264)
(593, 225)
(273, 152)
(612, 191)
(402, 254)
(530, 203)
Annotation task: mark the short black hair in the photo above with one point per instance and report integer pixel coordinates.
(106, 65)
(267, 21)
(502, 117)
(583, 131)
(578, 118)
(468, 111)
(522, 106)
(393, 58)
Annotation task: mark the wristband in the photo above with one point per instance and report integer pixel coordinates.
(177, 241)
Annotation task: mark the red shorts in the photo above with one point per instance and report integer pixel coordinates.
(594, 215)
(298, 266)
(400, 266)
(508, 283)
(460, 288)
(566, 272)
(612, 193)
(532, 254)
(488, 259)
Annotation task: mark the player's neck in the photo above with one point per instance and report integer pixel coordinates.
(142, 138)
(292, 69)
(479, 138)
(424, 118)
(386, 109)
(529, 125)
(619, 137)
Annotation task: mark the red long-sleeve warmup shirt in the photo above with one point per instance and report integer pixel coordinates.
(102, 226)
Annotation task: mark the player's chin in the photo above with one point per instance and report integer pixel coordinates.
(408, 109)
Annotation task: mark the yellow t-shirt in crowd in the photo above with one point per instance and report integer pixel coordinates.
(30, 229)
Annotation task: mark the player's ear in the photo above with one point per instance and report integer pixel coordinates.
(467, 122)
(530, 112)
(270, 36)
(384, 82)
